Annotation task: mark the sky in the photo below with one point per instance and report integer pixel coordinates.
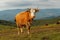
(22, 4)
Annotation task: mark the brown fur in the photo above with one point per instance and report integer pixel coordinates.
(23, 18)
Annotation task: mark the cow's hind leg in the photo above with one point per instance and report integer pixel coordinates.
(21, 29)
(18, 30)
(28, 29)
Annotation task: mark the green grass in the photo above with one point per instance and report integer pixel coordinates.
(50, 32)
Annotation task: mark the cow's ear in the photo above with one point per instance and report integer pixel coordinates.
(37, 10)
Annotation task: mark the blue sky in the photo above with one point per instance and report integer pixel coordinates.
(22, 4)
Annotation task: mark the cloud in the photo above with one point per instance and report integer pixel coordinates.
(14, 4)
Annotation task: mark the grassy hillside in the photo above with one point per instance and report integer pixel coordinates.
(50, 32)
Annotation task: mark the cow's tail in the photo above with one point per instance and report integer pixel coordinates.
(15, 19)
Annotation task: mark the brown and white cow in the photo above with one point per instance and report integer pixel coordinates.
(25, 18)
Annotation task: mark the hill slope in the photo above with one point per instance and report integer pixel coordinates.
(51, 32)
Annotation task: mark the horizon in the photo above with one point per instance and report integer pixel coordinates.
(25, 8)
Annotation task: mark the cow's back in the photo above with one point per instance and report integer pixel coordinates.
(22, 18)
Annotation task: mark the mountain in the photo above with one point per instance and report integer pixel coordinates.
(9, 14)
(42, 14)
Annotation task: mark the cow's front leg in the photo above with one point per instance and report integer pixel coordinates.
(28, 30)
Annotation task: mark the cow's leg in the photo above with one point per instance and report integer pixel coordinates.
(28, 28)
(21, 28)
(18, 31)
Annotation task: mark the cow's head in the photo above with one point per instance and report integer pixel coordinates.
(33, 12)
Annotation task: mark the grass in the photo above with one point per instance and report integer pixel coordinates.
(50, 32)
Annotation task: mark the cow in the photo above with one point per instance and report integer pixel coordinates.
(25, 18)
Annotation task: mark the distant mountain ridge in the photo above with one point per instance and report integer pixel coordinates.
(42, 14)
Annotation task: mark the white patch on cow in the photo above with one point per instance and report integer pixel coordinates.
(32, 12)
